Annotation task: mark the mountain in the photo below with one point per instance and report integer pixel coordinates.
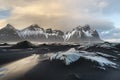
(82, 34)
(36, 33)
(32, 33)
(8, 33)
(54, 35)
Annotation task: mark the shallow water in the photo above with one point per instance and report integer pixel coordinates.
(19, 67)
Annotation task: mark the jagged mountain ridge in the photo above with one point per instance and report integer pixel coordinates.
(33, 32)
(36, 33)
(82, 33)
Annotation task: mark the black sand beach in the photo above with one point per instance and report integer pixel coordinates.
(27, 64)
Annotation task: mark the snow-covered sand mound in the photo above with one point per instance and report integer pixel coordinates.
(68, 57)
(72, 55)
(102, 61)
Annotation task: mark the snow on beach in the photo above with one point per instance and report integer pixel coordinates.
(68, 56)
(72, 55)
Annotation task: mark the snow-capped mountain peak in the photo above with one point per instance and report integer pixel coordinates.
(34, 32)
(82, 33)
(31, 30)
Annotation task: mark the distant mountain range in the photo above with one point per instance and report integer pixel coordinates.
(36, 33)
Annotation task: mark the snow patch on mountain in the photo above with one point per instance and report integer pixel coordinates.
(72, 33)
(87, 33)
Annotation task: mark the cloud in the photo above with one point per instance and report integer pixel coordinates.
(113, 7)
(58, 11)
(112, 40)
(61, 14)
(2, 23)
(113, 33)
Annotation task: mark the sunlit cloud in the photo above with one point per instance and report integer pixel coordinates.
(61, 14)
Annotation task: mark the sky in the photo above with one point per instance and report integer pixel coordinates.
(102, 15)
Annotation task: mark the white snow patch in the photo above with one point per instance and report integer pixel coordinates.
(72, 55)
(87, 33)
(100, 60)
(105, 55)
(105, 46)
(72, 33)
(118, 54)
(68, 57)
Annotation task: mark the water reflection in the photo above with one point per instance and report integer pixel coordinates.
(19, 67)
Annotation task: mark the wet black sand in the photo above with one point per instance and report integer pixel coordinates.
(47, 70)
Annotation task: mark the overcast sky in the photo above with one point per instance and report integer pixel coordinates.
(103, 15)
